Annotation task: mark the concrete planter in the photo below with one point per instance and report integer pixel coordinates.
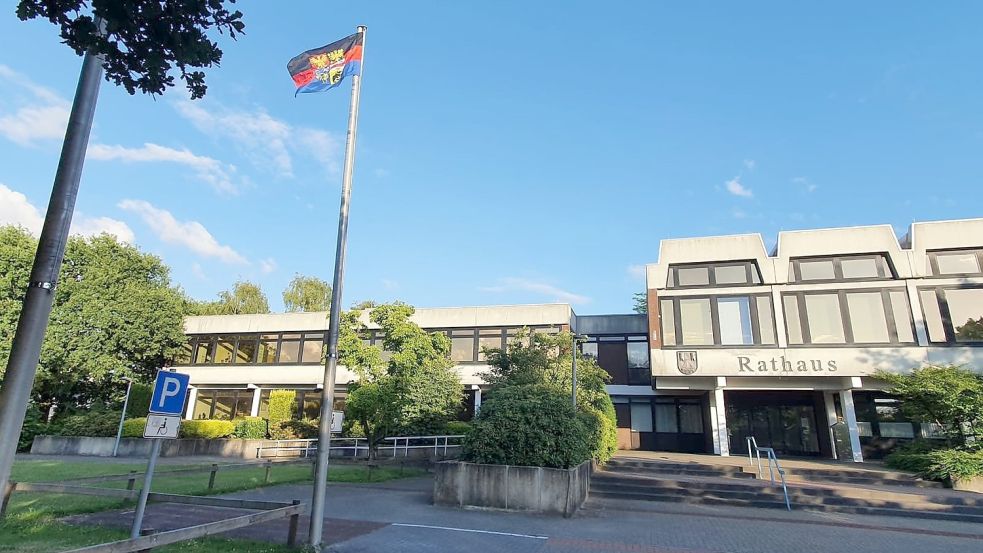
(539, 489)
(974, 484)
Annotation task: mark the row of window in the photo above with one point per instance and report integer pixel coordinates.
(229, 404)
(624, 357)
(252, 349)
(867, 317)
(876, 266)
(468, 344)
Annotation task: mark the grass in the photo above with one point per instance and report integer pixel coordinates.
(31, 523)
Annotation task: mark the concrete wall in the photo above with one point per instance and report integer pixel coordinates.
(139, 447)
(540, 489)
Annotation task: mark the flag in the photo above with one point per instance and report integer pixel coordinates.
(324, 68)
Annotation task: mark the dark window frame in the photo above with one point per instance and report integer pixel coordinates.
(258, 338)
(845, 320)
(752, 272)
(635, 377)
(885, 269)
(934, 262)
(715, 322)
(506, 332)
(947, 326)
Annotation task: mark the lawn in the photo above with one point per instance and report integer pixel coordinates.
(31, 523)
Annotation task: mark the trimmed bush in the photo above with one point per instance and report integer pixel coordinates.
(455, 428)
(133, 428)
(282, 403)
(952, 464)
(913, 457)
(531, 425)
(305, 429)
(207, 429)
(92, 423)
(250, 428)
(139, 404)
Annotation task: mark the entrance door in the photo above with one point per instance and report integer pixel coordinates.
(785, 421)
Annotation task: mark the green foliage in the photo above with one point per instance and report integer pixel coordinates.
(245, 298)
(145, 39)
(544, 359)
(115, 315)
(33, 425)
(456, 428)
(307, 294)
(303, 429)
(415, 391)
(207, 429)
(949, 396)
(133, 428)
(970, 331)
(531, 425)
(250, 428)
(95, 423)
(640, 302)
(140, 396)
(281, 410)
(953, 464)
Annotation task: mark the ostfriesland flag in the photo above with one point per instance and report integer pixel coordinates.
(324, 68)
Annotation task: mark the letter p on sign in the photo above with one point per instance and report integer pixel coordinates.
(170, 391)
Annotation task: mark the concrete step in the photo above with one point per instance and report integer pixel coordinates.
(620, 463)
(875, 478)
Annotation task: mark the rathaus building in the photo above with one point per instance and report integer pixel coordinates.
(783, 345)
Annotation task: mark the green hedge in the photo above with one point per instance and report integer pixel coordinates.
(92, 423)
(250, 428)
(133, 428)
(282, 403)
(207, 429)
(455, 428)
(951, 464)
(531, 425)
(33, 425)
(299, 429)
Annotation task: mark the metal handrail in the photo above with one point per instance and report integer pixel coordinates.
(307, 447)
(772, 458)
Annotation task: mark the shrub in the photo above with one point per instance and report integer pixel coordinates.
(92, 423)
(33, 425)
(250, 428)
(133, 428)
(455, 428)
(530, 425)
(913, 457)
(305, 429)
(207, 429)
(282, 403)
(952, 464)
(139, 403)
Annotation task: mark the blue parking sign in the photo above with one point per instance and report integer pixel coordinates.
(170, 391)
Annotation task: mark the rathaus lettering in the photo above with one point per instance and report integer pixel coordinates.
(782, 365)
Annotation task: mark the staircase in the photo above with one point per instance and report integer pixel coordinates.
(833, 488)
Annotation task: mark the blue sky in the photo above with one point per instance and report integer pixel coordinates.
(514, 152)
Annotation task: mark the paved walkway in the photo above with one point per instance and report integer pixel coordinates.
(398, 516)
(742, 461)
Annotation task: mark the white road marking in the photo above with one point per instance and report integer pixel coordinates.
(471, 530)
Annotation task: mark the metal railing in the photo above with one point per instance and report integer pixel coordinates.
(358, 447)
(773, 466)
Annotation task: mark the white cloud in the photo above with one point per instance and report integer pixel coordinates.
(16, 209)
(210, 170)
(189, 234)
(515, 284)
(636, 272)
(267, 265)
(269, 141)
(750, 164)
(735, 187)
(41, 113)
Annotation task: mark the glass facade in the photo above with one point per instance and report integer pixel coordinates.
(953, 314)
(251, 349)
(956, 262)
(731, 273)
(866, 316)
(841, 267)
(717, 321)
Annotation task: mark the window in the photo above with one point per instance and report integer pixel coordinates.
(641, 416)
(289, 349)
(589, 349)
(965, 313)
(489, 340)
(638, 355)
(665, 416)
(267, 349)
(462, 345)
(313, 345)
(223, 350)
(955, 262)
(846, 267)
(226, 404)
(848, 317)
(729, 273)
(186, 353)
(678, 415)
(203, 353)
(717, 321)
(933, 315)
(246, 350)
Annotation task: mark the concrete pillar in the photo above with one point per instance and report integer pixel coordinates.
(714, 435)
(189, 412)
(254, 409)
(477, 399)
(829, 400)
(850, 416)
(718, 395)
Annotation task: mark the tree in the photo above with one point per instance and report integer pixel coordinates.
(307, 294)
(414, 391)
(949, 396)
(144, 39)
(971, 331)
(540, 359)
(640, 301)
(245, 298)
(115, 315)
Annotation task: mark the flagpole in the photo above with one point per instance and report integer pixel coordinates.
(331, 363)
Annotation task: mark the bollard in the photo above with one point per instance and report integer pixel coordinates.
(132, 480)
(292, 531)
(211, 476)
(146, 532)
(11, 485)
(269, 466)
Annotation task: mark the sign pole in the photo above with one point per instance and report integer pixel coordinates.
(145, 490)
(331, 363)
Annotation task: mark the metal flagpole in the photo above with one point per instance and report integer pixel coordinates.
(26, 348)
(331, 363)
